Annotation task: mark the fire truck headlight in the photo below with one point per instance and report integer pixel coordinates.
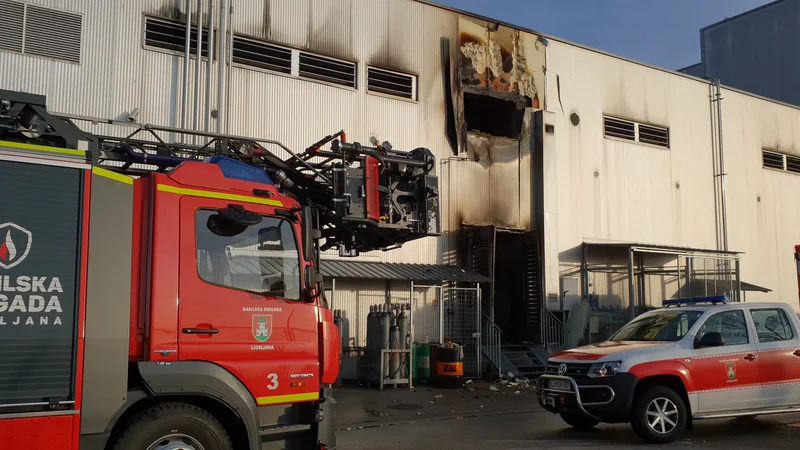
(605, 369)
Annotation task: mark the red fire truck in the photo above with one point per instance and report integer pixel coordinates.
(168, 296)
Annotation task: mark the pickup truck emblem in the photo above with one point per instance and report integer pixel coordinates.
(562, 369)
(262, 327)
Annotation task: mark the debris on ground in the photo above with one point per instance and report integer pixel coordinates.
(516, 392)
(469, 382)
(438, 396)
(493, 388)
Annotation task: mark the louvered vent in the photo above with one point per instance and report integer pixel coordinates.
(326, 69)
(170, 35)
(654, 135)
(793, 164)
(262, 55)
(773, 160)
(11, 25)
(617, 128)
(52, 33)
(634, 131)
(391, 83)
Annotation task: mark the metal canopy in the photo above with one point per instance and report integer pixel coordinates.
(698, 271)
(651, 248)
(336, 268)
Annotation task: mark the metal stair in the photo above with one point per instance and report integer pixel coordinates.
(524, 359)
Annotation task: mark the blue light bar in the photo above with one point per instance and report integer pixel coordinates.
(238, 170)
(697, 300)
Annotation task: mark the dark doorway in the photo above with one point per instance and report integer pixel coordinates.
(510, 259)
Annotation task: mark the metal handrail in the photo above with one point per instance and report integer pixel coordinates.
(554, 331)
(491, 336)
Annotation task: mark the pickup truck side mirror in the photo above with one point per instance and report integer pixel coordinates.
(710, 339)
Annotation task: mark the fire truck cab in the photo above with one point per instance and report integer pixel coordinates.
(695, 359)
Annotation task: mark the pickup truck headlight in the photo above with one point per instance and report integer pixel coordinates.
(605, 369)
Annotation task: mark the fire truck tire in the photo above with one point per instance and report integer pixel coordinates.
(578, 421)
(167, 425)
(659, 415)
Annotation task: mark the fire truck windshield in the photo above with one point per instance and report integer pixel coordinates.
(667, 326)
(261, 258)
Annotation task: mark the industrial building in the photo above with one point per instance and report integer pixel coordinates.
(570, 179)
(749, 51)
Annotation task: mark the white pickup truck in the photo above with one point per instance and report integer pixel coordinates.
(701, 359)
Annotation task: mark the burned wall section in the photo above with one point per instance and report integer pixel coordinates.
(498, 83)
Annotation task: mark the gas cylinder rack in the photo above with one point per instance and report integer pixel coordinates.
(388, 358)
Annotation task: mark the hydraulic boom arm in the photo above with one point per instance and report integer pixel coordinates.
(367, 197)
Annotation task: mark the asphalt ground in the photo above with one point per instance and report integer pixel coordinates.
(536, 430)
(484, 416)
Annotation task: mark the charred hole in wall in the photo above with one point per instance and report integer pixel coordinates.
(493, 116)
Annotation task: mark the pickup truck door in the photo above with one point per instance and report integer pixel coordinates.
(727, 378)
(779, 355)
(268, 340)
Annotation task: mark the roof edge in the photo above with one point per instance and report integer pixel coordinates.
(740, 15)
(612, 55)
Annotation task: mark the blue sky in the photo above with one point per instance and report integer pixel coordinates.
(664, 33)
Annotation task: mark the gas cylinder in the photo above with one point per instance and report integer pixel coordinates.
(403, 336)
(372, 328)
(385, 325)
(394, 360)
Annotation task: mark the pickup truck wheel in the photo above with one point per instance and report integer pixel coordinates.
(578, 421)
(659, 415)
(174, 426)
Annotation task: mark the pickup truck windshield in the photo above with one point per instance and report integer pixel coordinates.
(667, 326)
(260, 258)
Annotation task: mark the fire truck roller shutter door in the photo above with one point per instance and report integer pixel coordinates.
(40, 222)
(105, 376)
(208, 379)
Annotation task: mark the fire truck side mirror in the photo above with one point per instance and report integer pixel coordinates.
(310, 233)
(312, 280)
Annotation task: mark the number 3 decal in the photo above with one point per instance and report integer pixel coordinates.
(273, 378)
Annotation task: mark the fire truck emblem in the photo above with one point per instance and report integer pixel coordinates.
(15, 244)
(262, 327)
(731, 370)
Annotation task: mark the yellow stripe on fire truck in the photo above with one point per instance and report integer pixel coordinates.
(218, 195)
(105, 173)
(43, 148)
(289, 398)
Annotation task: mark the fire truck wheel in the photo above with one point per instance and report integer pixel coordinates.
(659, 415)
(174, 426)
(579, 421)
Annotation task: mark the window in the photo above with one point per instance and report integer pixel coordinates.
(669, 326)
(38, 31)
(780, 161)
(636, 132)
(391, 83)
(730, 324)
(260, 258)
(171, 35)
(772, 325)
